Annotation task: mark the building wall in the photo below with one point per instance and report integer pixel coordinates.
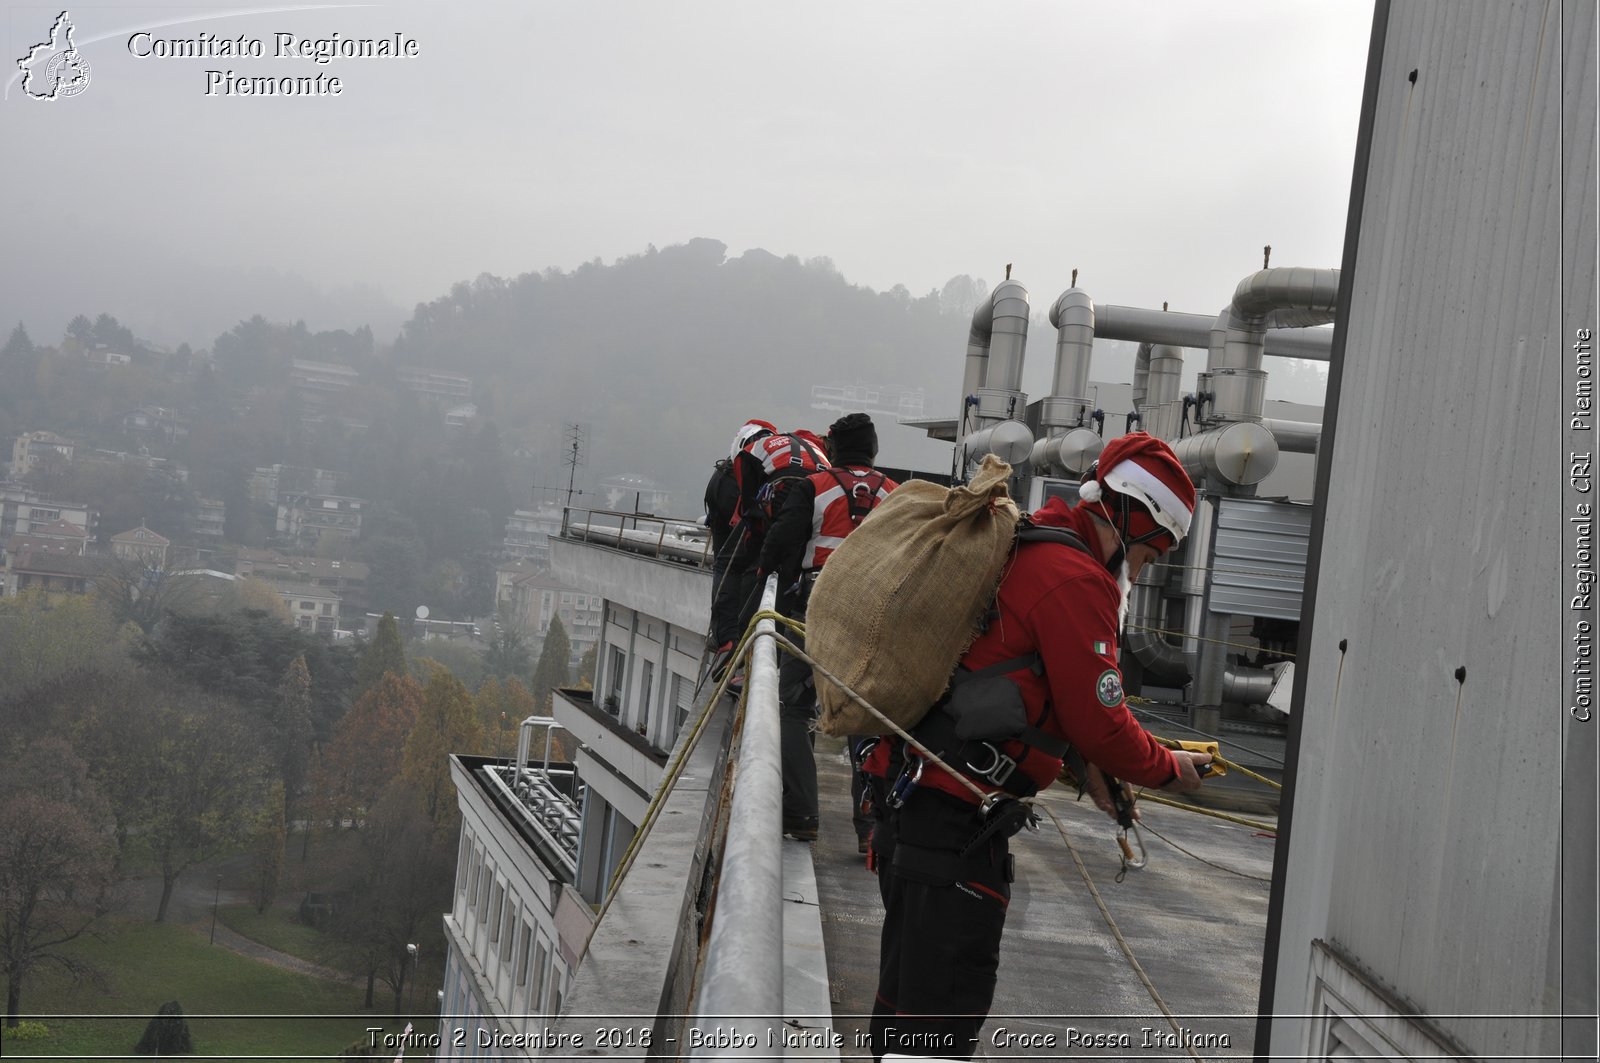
(1422, 853)
(507, 969)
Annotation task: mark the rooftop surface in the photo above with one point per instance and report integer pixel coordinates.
(1196, 928)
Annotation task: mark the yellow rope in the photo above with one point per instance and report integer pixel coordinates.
(1172, 743)
(1269, 828)
(1116, 932)
(1253, 647)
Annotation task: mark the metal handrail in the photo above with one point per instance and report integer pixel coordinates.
(581, 524)
(741, 989)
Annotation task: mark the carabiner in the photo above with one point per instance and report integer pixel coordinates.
(1128, 860)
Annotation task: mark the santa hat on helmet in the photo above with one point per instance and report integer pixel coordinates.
(1143, 468)
(748, 433)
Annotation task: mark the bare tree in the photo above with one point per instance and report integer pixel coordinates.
(55, 863)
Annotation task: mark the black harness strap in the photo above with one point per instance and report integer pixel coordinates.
(858, 513)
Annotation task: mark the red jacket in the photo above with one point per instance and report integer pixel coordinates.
(1062, 603)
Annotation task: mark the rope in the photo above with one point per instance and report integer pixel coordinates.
(1134, 701)
(1172, 743)
(1266, 828)
(1203, 860)
(1116, 933)
(1256, 648)
(674, 771)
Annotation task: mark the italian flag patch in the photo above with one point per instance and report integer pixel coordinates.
(1102, 648)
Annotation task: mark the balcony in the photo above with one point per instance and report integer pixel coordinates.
(615, 759)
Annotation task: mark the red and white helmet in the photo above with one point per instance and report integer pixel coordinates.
(748, 433)
(1144, 469)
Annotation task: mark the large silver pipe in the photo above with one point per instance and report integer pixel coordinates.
(1009, 336)
(1247, 686)
(1112, 322)
(1071, 453)
(1165, 382)
(1141, 377)
(741, 990)
(1010, 441)
(1143, 638)
(996, 344)
(1237, 454)
(1281, 296)
(1294, 437)
(1072, 316)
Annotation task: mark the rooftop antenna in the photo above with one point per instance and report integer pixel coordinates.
(1266, 256)
(1074, 278)
(574, 457)
(1008, 271)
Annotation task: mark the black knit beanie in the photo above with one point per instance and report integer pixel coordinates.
(853, 437)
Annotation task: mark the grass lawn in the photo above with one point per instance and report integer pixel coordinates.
(149, 964)
(279, 928)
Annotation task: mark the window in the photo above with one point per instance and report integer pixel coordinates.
(308, 606)
(508, 917)
(483, 888)
(463, 861)
(541, 961)
(616, 671)
(496, 909)
(472, 887)
(523, 954)
(647, 675)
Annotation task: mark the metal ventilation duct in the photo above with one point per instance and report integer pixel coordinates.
(996, 344)
(1294, 437)
(1141, 377)
(1010, 441)
(1112, 322)
(1283, 297)
(1071, 453)
(1238, 454)
(1072, 316)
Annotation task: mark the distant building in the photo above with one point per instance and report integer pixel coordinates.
(889, 402)
(346, 580)
(101, 355)
(142, 545)
(267, 482)
(305, 518)
(56, 574)
(435, 383)
(208, 521)
(531, 599)
(635, 494)
(311, 608)
(33, 447)
(460, 416)
(22, 509)
(321, 382)
(156, 422)
(528, 534)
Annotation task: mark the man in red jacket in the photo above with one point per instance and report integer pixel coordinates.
(1042, 675)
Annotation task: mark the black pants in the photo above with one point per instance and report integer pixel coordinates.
(943, 918)
(797, 711)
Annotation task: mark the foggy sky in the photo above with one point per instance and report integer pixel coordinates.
(1156, 147)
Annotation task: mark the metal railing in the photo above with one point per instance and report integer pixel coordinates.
(668, 538)
(741, 989)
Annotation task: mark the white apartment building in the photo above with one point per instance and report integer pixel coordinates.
(538, 853)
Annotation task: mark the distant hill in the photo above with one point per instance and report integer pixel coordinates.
(662, 354)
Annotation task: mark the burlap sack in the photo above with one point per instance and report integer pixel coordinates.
(903, 596)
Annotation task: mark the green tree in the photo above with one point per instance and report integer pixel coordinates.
(367, 748)
(203, 780)
(42, 640)
(552, 671)
(271, 837)
(384, 654)
(508, 655)
(397, 885)
(55, 863)
(446, 724)
(292, 730)
(586, 666)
